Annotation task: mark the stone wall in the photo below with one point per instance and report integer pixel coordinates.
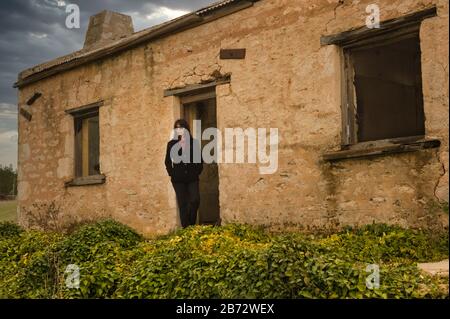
(287, 81)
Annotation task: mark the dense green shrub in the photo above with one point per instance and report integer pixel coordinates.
(99, 250)
(234, 261)
(27, 265)
(207, 262)
(201, 262)
(33, 265)
(84, 243)
(389, 242)
(9, 229)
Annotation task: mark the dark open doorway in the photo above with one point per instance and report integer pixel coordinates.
(203, 107)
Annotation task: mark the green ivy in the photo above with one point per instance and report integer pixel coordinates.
(234, 261)
(9, 229)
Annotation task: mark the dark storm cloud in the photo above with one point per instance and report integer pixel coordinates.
(33, 31)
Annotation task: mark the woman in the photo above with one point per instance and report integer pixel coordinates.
(184, 165)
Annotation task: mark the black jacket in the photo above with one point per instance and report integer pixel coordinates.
(185, 171)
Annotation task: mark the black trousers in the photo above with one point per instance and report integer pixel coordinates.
(188, 198)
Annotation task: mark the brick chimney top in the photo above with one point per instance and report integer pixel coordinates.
(106, 27)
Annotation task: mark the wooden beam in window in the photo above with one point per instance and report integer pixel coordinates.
(82, 110)
(198, 97)
(364, 32)
(85, 146)
(87, 180)
(191, 89)
(375, 150)
(349, 101)
(78, 149)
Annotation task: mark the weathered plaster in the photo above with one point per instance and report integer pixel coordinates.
(287, 81)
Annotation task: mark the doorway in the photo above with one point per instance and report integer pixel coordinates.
(202, 107)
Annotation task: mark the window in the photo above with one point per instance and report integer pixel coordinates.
(382, 102)
(87, 145)
(384, 90)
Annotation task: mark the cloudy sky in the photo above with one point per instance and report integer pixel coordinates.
(34, 31)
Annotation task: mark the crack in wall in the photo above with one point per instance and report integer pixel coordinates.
(210, 73)
(443, 173)
(234, 95)
(340, 3)
(444, 66)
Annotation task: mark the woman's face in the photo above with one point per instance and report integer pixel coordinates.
(179, 130)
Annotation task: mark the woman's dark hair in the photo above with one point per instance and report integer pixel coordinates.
(182, 123)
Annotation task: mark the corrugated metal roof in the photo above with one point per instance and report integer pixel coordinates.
(215, 6)
(82, 53)
(72, 57)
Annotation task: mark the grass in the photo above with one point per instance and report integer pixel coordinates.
(8, 210)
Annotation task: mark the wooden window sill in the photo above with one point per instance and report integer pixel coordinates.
(86, 181)
(377, 149)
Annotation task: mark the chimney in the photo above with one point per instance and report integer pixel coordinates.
(106, 27)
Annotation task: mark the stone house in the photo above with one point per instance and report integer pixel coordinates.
(361, 113)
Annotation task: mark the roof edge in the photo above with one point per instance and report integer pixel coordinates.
(205, 15)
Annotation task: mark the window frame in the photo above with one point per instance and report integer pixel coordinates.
(78, 115)
(390, 30)
(349, 107)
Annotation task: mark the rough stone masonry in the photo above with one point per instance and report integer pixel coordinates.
(289, 79)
